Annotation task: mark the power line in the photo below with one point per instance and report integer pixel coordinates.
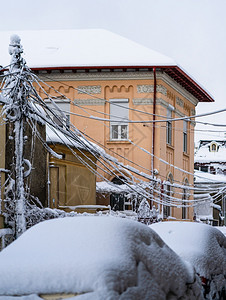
(129, 108)
(145, 151)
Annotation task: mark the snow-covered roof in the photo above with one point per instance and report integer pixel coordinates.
(200, 244)
(93, 48)
(98, 257)
(204, 155)
(109, 187)
(55, 136)
(201, 177)
(81, 48)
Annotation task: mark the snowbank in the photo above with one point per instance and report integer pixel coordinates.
(200, 244)
(103, 257)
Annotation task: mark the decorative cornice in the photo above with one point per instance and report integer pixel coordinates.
(143, 101)
(70, 76)
(91, 89)
(179, 102)
(89, 101)
(168, 80)
(149, 88)
(149, 101)
(161, 89)
(96, 76)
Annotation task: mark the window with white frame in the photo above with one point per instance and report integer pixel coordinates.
(185, 197)
(185, 136)
(119, 116)
(169, 133)
(168, 193)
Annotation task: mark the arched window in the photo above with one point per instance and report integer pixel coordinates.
(213, 147)
(185, 197)
(119, 180)
(168, 193)
(117, 200)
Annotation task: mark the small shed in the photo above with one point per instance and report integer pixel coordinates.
(72, 179)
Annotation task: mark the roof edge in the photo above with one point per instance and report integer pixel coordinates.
(174, 71)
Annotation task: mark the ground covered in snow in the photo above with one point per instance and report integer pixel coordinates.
(101, 257)
(201, 245)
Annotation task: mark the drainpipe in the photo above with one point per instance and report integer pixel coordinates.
(48, 180)
(153, 124)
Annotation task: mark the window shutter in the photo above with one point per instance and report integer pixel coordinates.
(119, 111)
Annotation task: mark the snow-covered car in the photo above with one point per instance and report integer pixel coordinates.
(94, 257)
(204, 247)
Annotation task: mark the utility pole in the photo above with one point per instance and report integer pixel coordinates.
(16, 91)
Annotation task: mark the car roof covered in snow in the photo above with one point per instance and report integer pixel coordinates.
(200, 244)
(105, 257)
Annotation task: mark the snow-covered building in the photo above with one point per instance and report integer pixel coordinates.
(210, 157)
(115, 91)
(210, 192)
(210, 171)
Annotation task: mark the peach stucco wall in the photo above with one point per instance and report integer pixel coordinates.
(140, 94)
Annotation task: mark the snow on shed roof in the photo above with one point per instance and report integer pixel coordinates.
(94, 48)
(54, 136)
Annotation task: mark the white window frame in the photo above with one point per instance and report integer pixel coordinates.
(168, 192)
(116, 123)
(185, 136)
(169, 127)
(185, 197)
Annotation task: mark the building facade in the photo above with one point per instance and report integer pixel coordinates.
(210, 171)
(210, 157)
(125, 98)
(124, 94)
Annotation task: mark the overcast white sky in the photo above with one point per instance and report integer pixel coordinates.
(192, 32)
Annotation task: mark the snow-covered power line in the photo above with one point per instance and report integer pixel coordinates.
(132, 109)
(142, 149)
(170, 198)
(108, 162)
